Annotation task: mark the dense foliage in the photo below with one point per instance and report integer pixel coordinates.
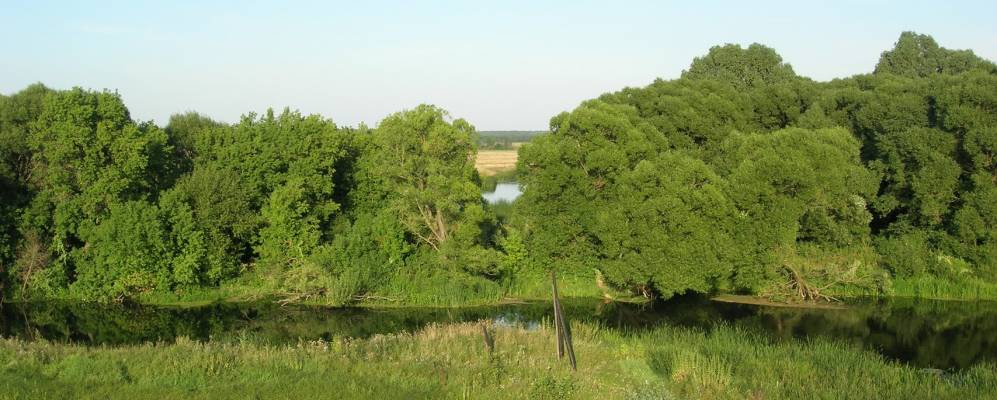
(743, 176)
(97, 206)
(738, 176)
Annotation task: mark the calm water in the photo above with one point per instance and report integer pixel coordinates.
(506, 192)
(923, 333)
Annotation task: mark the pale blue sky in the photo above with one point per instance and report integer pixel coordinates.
(501, 65)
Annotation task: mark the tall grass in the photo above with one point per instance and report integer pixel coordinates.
(535, 284)
(441, 288)
(449, 361)
(944, 289)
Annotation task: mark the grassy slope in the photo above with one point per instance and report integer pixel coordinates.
(450, 362)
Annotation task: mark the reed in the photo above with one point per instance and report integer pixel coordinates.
(944, 289)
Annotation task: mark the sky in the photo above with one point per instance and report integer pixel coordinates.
(506, 65)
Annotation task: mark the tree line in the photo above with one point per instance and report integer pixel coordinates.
(738, 176)
(743, 176)
(504, 140)
(98, 206)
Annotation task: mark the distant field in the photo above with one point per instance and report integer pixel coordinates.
(497, 150)
(491, 162)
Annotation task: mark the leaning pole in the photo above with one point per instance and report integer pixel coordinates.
(562, 328)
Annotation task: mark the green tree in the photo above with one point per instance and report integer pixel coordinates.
(423, 165)
(965, 107)
(603, 191)
(920, 175)
(670, 226)
(919, 55)
(790, 187)
(127, 253)
(366, 253)
(87, 155)
(191, 135)
(212, 221)
(565, 175)
(17, 113)
(691, 114)
(292, 228)
(749, 68)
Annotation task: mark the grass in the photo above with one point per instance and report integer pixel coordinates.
(450, 361)
(930, 287)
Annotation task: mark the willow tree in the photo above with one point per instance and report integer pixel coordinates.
(794, 189)
(755, 66)
(603, 191)
(964, 103)
(918, 55)
(423, 166)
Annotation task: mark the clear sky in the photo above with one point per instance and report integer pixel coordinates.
(500, 65)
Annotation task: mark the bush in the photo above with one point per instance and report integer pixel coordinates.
(125, 254)
(210, 216)
(363, 254)
(424, 281)
(907, 254)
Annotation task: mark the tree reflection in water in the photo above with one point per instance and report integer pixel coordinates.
(922, 332)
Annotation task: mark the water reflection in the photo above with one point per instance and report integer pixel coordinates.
(504, 192)
(924, 333)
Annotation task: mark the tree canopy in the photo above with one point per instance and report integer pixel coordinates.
(738, 176)
(743, 176)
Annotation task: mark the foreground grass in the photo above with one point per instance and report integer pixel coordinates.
(450, 361)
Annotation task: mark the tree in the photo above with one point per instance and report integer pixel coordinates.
(965, 105)
(191, 135)
(691, 114)
(424, 166)
(749, 68)
(740, 175)
(670, 227)
(210, 220)
(128, 253)
(366, 253)
(603, 191)
(920, 176)
(790, 187)
(568, 175)
(17, 113)
(917, 55)
(292, 228)
(87, 155)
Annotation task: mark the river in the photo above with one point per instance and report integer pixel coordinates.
(504, 192)
(924, 333)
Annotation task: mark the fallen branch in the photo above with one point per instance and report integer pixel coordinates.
(803, 289)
